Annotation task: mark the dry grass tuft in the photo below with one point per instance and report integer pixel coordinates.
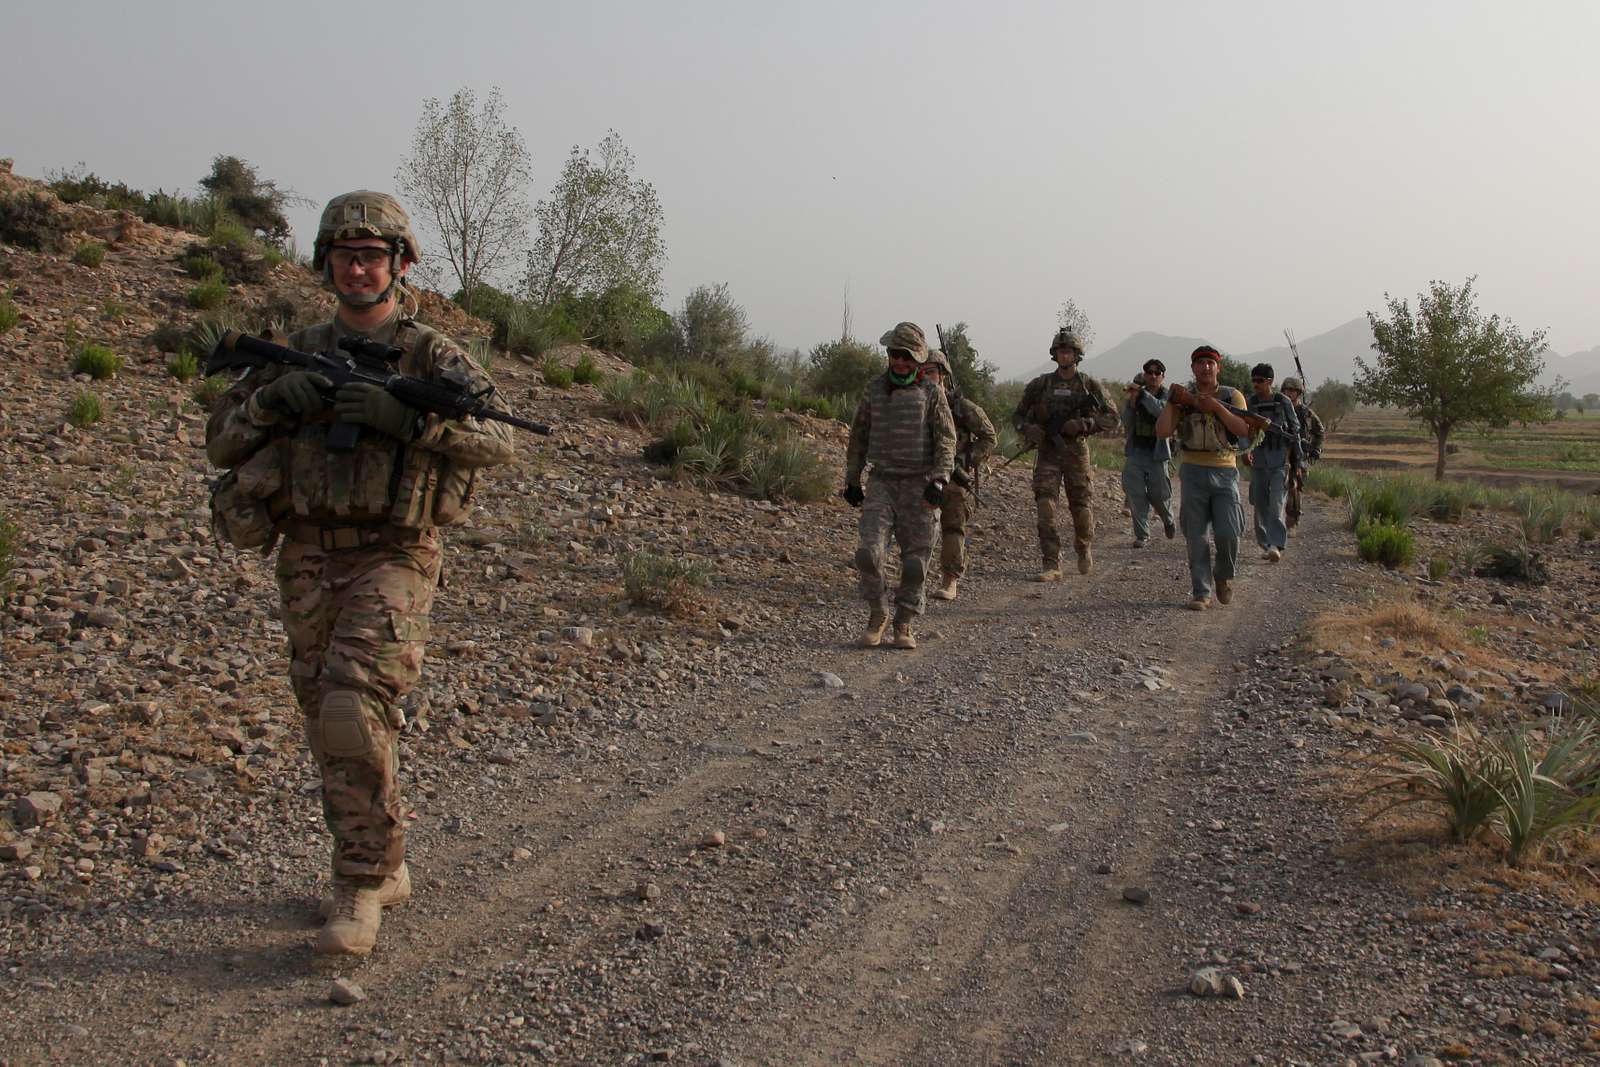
(1404, 620)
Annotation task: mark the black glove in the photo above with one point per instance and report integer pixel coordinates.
(853, 495)
(371, 405)
(297, 393)
(934, 494)
(961, 477)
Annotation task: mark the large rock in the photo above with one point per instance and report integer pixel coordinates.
(35, 809)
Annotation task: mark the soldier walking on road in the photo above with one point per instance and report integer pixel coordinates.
(903, 428)
(975, 440)
(1057, 415)
(1274, 463)
(360, 556)
(1201, 419)
(1146, 470)
(1312, 434)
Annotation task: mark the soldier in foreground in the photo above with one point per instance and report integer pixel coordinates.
(1146, 474)
(975, 440)
(903, 428)
(360, 547)
(1274, 463)
(1312, 434)
(1057, 414)
(1208, 477)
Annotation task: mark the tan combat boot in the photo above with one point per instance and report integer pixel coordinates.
(352, 929)
(1224, 590)
(875, 627)
(947, 590)
(396, 889)
(1051, 573)
(1085, 560)
(1200, 603)
(902, 632)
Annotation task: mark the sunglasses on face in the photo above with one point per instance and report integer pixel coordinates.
(367, 257)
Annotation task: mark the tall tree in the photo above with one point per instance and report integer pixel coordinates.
(974, 376)
(599, 227)
(1072, 317)
(1447, 366)
(466, 179)
(248, 197)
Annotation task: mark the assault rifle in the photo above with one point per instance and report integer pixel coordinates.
(966, 473)
(373, 363)
(1180, 396)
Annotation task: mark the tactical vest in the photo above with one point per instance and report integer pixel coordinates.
(1200, 431)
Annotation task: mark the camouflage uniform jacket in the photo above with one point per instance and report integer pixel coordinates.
(416, 484)
(974, 432)
(1311, 432)
(902, 430)
(1046, 391)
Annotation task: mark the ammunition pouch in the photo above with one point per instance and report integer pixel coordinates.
(240, 513)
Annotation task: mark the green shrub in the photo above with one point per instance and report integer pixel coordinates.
(113, 309)
(661, 582)
(31, 220)
(1538, 801)
(1438, 567)
(1517, 562)
(85, 410)
(586, 371)
(89, 254)
(556, 374)
(8, 549)
(169, 337)
(1461, 775)
(207, 390)
(10, 314)
(1381, 501)
(787, 469)
(201, 265)
(1543, 513)
(97, 361)
(1385, 543)
(184, 366)
(80, 186)
(209, 295)
(228, 233)
(481, 351)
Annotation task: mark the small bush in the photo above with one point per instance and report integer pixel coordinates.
(89, 254)
(1385, 502)
(787, 470)
(227, 233)
(1538, 801)
(1385, 543)
(661, 582)
(1438, 567)
(85, 410)
(533, 330)
(10, 314)
(1460, 775)
(207, 390)
(209, 295)
(169, 337)
(114, 309)
(556, 375)
(201, 265)
(184, 366)
(481, 351)
(585, 371)
(97, 361)
(1517, 562)
(8, 549)
(1543, 513)
(31, 220)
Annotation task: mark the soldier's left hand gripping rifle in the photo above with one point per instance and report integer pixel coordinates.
(369, 362)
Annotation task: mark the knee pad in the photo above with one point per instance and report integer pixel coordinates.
(342, 721)
(866, 560)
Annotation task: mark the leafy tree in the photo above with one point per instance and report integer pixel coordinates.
(600, 227)
(974, 376)
(1071, 317)
(1235, 373)
(256, 203)
(1446, 366)
(843, 367)
(465, 178)
(618, 320)
(1333, 402)
(709, 327)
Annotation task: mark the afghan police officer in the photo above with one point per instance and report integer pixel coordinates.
(975, 440)
(1274, 463)
(1203, 418)
(1312, 433)
(1057, 414)
(902, 427)
(1146, 474)
(360, 546)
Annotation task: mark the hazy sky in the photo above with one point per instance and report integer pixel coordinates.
(1220, 169)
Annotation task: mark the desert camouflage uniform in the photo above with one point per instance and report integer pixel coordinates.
(1059, 466)
(357, 570)
(974, 431)
(906, 433)
(1312, 433)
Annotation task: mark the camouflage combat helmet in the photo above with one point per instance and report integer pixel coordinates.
(936, 358)
(907, 336)
(1294, 384)
(365, 213)
(1065, 338)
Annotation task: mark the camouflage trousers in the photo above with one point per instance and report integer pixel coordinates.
(895, 506)
(1054, 471)
(953, 531)
(357, 622)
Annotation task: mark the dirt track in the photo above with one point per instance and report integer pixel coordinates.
(909, 874)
